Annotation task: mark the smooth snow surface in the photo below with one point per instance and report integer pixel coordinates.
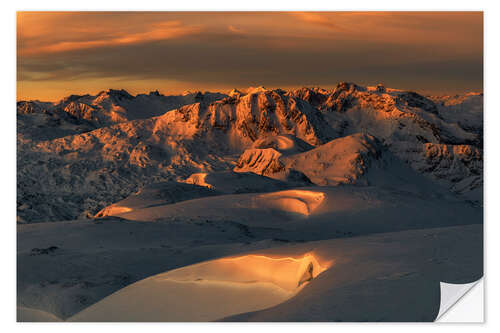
(384, 270)
(33, 315)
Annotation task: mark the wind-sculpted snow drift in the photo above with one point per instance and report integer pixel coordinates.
(237, 285)
(294, 201)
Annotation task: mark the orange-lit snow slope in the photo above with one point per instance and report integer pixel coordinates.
(209, 290)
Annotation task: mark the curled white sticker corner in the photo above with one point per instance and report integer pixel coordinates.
(451, 293)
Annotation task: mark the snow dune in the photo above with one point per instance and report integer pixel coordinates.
(333, 210)
(209, 290)
(293, 201)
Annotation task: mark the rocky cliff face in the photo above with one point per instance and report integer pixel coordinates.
(257, 115)
(459, 167)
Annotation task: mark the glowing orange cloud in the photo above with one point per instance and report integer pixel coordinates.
(52, 39)
(398, 27)
(319, 19)
(236, 30)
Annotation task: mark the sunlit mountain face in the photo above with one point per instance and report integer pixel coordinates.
(247, 166)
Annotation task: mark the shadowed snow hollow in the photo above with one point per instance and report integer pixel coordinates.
(208, 291)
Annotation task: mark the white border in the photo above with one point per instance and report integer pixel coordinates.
(254, 5)
(8, 167)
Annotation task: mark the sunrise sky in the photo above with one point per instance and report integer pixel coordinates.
(59, 54)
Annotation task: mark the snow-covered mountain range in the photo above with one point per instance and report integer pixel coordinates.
(84, 153)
